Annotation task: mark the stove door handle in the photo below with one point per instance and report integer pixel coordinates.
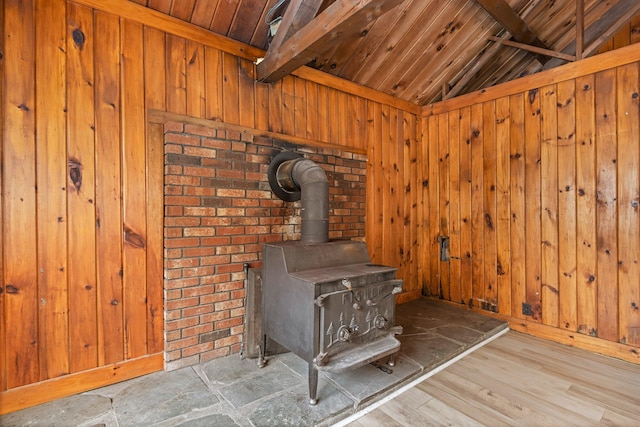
(319, 301)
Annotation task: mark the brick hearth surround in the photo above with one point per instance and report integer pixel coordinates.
(219, 210)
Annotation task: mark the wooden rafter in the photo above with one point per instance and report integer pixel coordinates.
(534, 49)
(301, 47)
(298, 14)
(510, 21)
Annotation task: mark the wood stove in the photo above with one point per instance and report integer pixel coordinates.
(324, 301)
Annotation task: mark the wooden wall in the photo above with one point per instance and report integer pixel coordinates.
(80, 208)
(537, 185)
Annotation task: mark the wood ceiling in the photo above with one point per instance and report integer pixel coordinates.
(421, 51)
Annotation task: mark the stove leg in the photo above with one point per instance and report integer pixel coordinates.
(392, 361)
(313, 384)
(262, 352)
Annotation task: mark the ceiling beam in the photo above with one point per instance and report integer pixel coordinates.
(297, 14)
(534, 49)
(602, 29)
(510, 21)
(338, 20)
(579, 28)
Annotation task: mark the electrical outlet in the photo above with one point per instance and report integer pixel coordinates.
(526, 309)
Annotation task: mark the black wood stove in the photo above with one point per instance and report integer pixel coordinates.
(324, 301)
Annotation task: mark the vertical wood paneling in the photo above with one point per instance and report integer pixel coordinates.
(83, 347)
(108, 190)
(434, 205)
(195, 79)
(533, 237)
(288, 106)
(262, 106)
(246, 93)
(300, 107)
(334, 115)
(176, 72)
(412, 188)
(503, 234)
(213, 83)
(443, 198)
(466, 291)
(19, 198)
(377, 165)
(275, 106)
(3, 323)
(477, 205)
(517, 205)
(423, 183)
(628, 203)
(490, 216)
(387, 165)
(133, 191)
(549, 204)
(324, 109)
(586, 260)
(154, 69)
(454, 206)
(230, 88)
(313, 119)
(51, 214)
(606, 212)
(567, 244)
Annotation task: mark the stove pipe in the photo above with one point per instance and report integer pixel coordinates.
(295, 178)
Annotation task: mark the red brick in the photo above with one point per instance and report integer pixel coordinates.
(216, 240)
(229, 286)
(214, 298)
(181, 323)
(245, 203)
(237, 312)
(236, 174)
(215, 260)
(229, 268)
(246, 220)
(196, 349)
(233, 135)
(218, 278)
(173, 274)
(173, 315)
(215, 221)
(182, 343)
(225, 342)
(213, 317)
(182, 200)
(260, 194)
(181, 139)
(257, 230)
(224, 324)
(227, 305)
(182, 303)
(172, 253)
(224, 192)
(239, 294)
(172, 232)
(199, 171)
(199, 191)
(181, 221)
(200, 232)
(216, 143)
(226, 231)
(226, 250)
(199, 130)
(173, 294)
(172, 355)
(199, 310)
(197, 271)
(197, 291)
(239, 146)
(181, 283)
(173, 190)
(200, 211)
(197, 330)
(194, 252)
(255, 176)
(231, 212)
(200, 152)
(182, 180)
(266, 238)
(175, 170)
(173, 211)
(242, 258)
(182, 242)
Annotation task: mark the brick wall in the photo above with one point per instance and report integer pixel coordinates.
(219, 210)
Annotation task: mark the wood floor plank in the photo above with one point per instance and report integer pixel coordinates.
(520, 380)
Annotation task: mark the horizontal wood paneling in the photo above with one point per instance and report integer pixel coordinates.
(567, 216)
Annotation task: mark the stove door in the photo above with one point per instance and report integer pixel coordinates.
(357, 325)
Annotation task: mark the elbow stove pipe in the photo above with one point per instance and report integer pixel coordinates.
(295, 178)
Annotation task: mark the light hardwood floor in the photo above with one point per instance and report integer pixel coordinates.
(519, 380)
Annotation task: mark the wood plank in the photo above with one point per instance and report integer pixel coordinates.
(276, 107)
(372, 154)
(154, 69)
(19, 198)
(343, 122)
(489, 212)
(387, 170)
(517, 205)
(533, 236)
(623, 56)
(628, 197)
(411, 203)
(213, 86)
(3, 323)
(423, 258)
(397, 218)
(434, 206)
(378, 178)
(503, 210)
(586, 262)
(477, 203)
(83, 342)
(230, 89)
(300, 108)
(607, 205)
(443, 200)
(108, 190)
(288, 106)
(567, 214)
(247, 93)
(454, 206)
(343, 18)
(262, 106)
(51, 173)
(313, 106)
(176, 84)
(134, 194)
(324, 109)
(195, 79)
(334, 116)
(466, 210)
(549, 203)
(68, 385)
(155, 233)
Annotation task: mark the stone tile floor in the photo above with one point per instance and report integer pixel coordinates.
(234, 392)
